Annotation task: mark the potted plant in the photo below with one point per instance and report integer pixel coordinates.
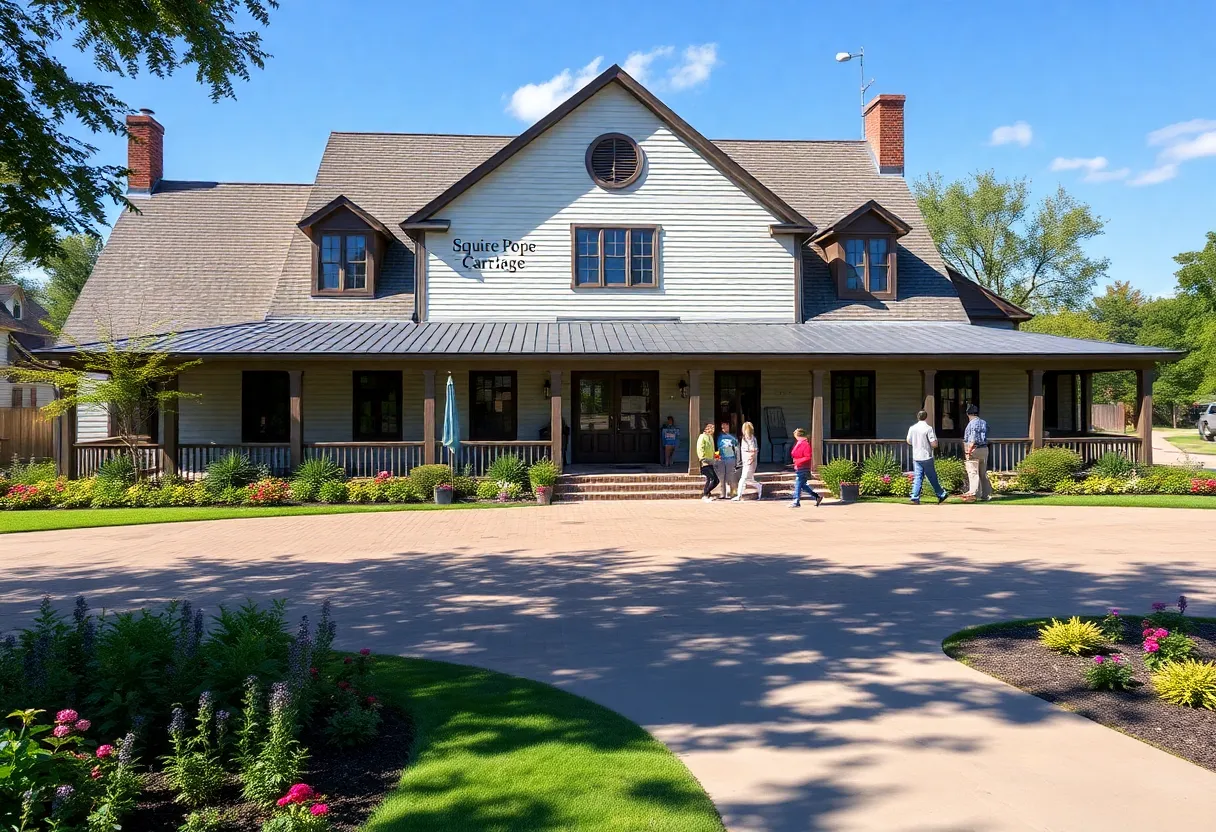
(544, 494)
(850, 492)
(543, 476)
(443, 494)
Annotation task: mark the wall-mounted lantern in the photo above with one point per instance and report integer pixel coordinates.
(548, 390)
(683, 385)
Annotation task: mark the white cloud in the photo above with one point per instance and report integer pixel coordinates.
(1095, 168)
(532, 101)
(1154, 176)
(1179, 142)
(638, 63)
(1172, 132)
(1017, 133)
(698, 62)
(1202, 145)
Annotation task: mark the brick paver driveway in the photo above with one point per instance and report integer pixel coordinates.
(791, 658)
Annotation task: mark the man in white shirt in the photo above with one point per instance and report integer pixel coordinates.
(923, 440)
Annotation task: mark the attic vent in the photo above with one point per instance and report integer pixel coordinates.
(614, 161)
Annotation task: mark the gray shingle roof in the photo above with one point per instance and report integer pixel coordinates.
(197, 254)
(638, 338)
(29, 329)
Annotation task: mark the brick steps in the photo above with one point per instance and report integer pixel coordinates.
(661, 486)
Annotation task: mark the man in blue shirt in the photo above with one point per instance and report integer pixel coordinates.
(975, 447)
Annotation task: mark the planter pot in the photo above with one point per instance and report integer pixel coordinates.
(849, 492)
(443, 496)
(544, 498)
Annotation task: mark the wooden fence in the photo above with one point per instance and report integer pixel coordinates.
(25, 434)
(1109, 417)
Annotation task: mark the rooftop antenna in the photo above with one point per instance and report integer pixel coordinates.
(860, 55)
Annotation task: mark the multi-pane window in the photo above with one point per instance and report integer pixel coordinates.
(343, 263)
(867, 265)
(853, 405)
(377, 404)
(615, 257)
(955, 391)
(265, 406)
(494, 406)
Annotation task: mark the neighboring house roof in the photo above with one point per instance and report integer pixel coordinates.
(822, 338)
(29, 330)
(983, 304)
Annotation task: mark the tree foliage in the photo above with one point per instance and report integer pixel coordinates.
(48, 182)
(987, 230)
(67, 272)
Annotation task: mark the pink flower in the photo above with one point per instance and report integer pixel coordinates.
(83, 725)
(1098, 660)
(1160, 633)
(371, 700)
(1114, 610)
(366, 651)
(319, 809)
(346, 660)
(1117, 659)
(96, 772)
(66, 715)
(344, 685)
(61, 731)
(283, 801)
(312, 671)
(1151, 646)
(104, 751)
(1147, 632)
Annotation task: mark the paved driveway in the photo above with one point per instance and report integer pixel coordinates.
(790, 657)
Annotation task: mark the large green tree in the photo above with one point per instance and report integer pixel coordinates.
(987, 229)
(67, 272)
(50, 184)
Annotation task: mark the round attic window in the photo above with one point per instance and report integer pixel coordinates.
(614, 161)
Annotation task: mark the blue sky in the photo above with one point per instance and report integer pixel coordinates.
(1109, 94)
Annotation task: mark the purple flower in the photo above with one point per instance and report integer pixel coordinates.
(1182, 603)
(126, 750)
(1114, 610)
(177, 725)
(62, 795)
(66, 715)
(1158, 606)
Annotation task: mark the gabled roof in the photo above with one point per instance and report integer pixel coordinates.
(731, 169)
(32, 313)
(339, 203)
(871, 206)
(983, 304)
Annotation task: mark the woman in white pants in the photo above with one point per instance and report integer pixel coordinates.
(750, 450)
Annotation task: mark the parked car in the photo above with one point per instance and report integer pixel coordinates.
(1207, 421)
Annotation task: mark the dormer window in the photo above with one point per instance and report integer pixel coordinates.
(348, 244)
(866, 265)
(343, 266)
(861, 252)
(16, 313)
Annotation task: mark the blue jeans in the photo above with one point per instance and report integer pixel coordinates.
(801, 475)
(924, 469)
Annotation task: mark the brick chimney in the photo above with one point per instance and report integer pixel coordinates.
(884, 118)
(145, 153)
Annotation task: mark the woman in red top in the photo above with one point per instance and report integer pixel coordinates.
(802, 469)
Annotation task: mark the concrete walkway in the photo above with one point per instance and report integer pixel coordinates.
(1166, 454)
(791, 658)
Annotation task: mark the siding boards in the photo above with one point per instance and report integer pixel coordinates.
(1005, 402)
(714, 236)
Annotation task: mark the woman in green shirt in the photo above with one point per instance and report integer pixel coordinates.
(706, 453)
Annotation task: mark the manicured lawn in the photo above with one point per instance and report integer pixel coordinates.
(1189, 441)
(495, 752)
(82, 518)
(1122, 500)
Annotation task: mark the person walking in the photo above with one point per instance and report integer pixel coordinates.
(749, 448)
(975, 446)
(705, 455)
(923, 441)
(801, 455)
(671, 438)
(728, 456)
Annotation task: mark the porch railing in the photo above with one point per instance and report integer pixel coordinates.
(90, 456)
(1091, 448)
(193, 459)
(367, 459)
(1004, 455)
(479, 456)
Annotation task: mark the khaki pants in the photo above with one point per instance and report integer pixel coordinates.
(977, 474)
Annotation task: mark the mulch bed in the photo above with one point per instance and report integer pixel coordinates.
(354, 781)
(1015, 656)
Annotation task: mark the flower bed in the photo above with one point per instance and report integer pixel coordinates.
(1139, 675)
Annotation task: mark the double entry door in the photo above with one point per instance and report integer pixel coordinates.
(616, 417)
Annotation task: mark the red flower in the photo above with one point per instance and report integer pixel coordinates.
(346, 660)
(371, 700)
(344, 685)
(96, 772)
(366, 651)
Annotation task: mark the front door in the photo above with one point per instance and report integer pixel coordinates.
(737, 394)
(616, 418)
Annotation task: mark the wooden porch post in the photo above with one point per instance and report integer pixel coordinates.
(817, 417)
(694, 419)
(555, 418)
(1036, 408)
(428, 417)
(1087, 401)
(295, 390)
(928, 383)
(65, 444)
(1144, 413)
(169, 434)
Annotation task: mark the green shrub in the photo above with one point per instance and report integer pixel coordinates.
(5, 482)
(425, 477)
(303, 491)
(1165, 479)
(543, 473)
(901, 486)
(1042, 469)
(138, 495)
(876, 485)
(508, 468)
(233, 470)
(76, 494)
(882, 463)
(1073, 636)
(31, 473)
(119, 469)
(313, 472)
(837, 471)
(200, 494)
(464, 486)
(203, 820)
(400, 490)
(487, 490)
(109, 494)
(1113, 464)
(352, 726)
(332, 492)
(951, 474)
(1108, 673)
(361, 491)
(1189, 683)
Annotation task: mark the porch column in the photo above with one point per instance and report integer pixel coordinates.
(555, 418)
(1144, 413)
(817, 417)
(428, 417)
(694, 419)
(295, 392)
(928, 383)
(65, 444)
(1036, 408)
(1087, 401)
(169, 433)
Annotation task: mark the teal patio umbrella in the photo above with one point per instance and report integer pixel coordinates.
(451, 424)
